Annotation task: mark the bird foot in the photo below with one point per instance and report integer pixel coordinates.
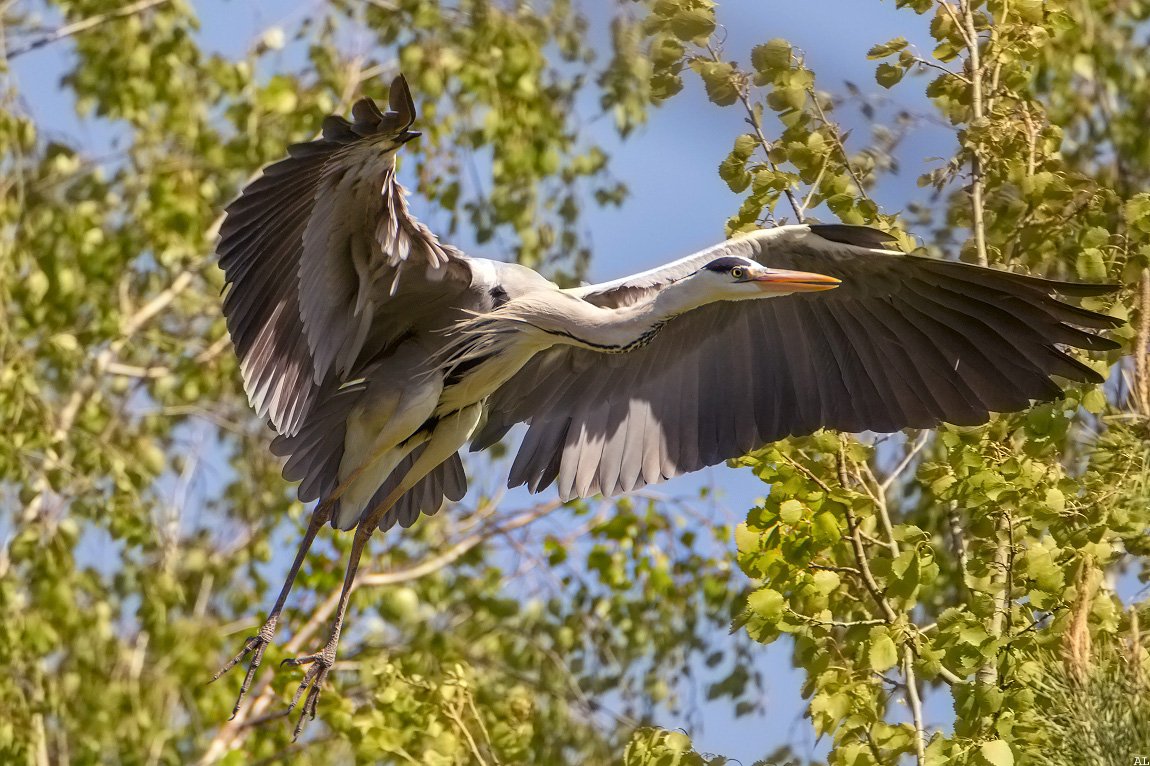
(312, 683)
(255, 646)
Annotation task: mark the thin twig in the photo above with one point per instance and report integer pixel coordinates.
(457, 719)
(836, 623)
(893, 476)
(958, 539)
(753, 121)
(453, 553)
(837, 140)
(262, 696)
(924, 62)
(837, 569)
(976, 105)
(75, 28)
(949, 10)
(915, 704)
(815, 184)
(807, 472)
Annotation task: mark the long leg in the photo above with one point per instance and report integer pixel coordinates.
(256, 645)
(447, 438)
(321, 663)
(443, 443)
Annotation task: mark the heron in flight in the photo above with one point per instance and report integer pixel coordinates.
(377, 352)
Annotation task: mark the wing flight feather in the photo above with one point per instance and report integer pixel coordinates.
(903, 341)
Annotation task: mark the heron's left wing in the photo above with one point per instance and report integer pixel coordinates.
(305, 249)
(905, 341)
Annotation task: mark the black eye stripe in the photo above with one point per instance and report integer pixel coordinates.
(726, 263)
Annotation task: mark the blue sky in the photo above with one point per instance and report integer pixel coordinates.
(677, 205)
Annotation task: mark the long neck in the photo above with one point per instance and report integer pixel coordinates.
(572, 321)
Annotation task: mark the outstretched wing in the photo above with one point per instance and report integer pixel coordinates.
(904, 341)
(312, 251)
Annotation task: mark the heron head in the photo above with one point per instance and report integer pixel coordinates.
(391, 129)
(734, 277)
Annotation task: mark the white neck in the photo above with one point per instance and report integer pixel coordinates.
(567, 320)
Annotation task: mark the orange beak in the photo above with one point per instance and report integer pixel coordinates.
(784, 281)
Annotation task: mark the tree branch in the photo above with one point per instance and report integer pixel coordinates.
(864, 568)
(255, 707)
(75, 28)
(976, 105)
(753, 121)
(1000, 584)
(915, 704)
(1142, 347)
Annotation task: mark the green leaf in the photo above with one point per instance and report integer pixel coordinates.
(883, 654)
(280, 95)
(734, 171)
(1095, 236)
(1090, 264)
(828, 709)
(772, 56)
(791, 511)
(720, 83)
(826, 582)
(745, 146)
(695, 24)
(1028, 10)
(767, 604)
(1094, 401)
(666, 51)
(664, 85)
(888, 75)
(885, 49)
(746, 539)
(825, 529)
(996, 753)
(1136, 212)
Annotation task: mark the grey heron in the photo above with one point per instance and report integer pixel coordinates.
(377, 351)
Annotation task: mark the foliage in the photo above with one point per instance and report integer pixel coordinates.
(954, 559)
(144, 521)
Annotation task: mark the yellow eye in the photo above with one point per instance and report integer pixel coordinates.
(738, 272)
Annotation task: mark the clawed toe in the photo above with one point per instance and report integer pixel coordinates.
(312, 683)
(255, 646)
